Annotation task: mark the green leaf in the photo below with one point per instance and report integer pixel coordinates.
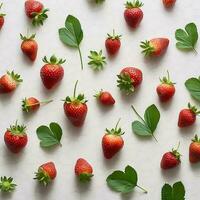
(72, 34)
(49, 136)
(187, 39)
(152, 117)
(123, 182)
(177, 192)
(193, 86)
(141, 129)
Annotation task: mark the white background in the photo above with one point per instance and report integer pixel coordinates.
(143, 154)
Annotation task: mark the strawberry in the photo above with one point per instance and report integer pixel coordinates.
(166, 89)
(32, 104)
(9, 82)
(112, 142)
(113, 43)
(52, 72)
(35, 11)
(129, 78)
(75, 108)
(171, 159)
(187, 116)
(168, 3)
(105, 98)
(6, 184)
(29, 46)
(15, 138)
(46, 173)
(194, 150)
(133, 14)
(2, 15)
(83, 170)
(154, 47)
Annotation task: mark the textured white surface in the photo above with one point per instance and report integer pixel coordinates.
(143, 154)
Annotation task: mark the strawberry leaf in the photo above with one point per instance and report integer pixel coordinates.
(175, 192)
(72, 34)
(193, 86)
(148, 125)
(49, 136)
(187, 39)
(123, 182)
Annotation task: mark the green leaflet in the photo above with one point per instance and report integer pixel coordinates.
(49, 136)
(123, 182)
(148, 124)
(193, 86)
(175, 192)
(187, 39)
(72, 34)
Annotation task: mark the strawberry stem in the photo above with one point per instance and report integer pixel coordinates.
(137, 114)
(145, 191)
(80, 57)
(75, 89)
(46, 102)
(117, 124)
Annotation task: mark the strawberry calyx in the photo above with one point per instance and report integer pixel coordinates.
(114, 36)
(25, 38)
(17, 129)
(196, 139)
(148, 49)
(166, 80)
(39, 18)
(15, 77)
(53, 60)
(134, 4)
(2, 14)
(97, 95)
(80, 99)
(193, 109)
(6, 184)
(99, 1)
(97, 60)
(115, 131)
(176, 153)
(125, 83)
(84, 177)
(42, 176)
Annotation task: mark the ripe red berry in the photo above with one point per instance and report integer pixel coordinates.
(2, 15)
(105, 98)
(168, 3)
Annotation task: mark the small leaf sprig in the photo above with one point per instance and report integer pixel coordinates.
(148, 124)
(124, 181)
(175, 192)
(187, 39)
(6, 184)
(97, 60)
(49, 136)
(193, 86)
(72, 34)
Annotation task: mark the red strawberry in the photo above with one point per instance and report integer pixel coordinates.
(154, 47)
(129, 78)
(35, 10)
(169, 3)
(9, 82)
(105, 98)
(52, 72)
(32, 104)
(75, 108)
(113, 43)
(83, 170)
(15, 138)
(29, 46)
(112, 142)
(187, 117)
(1, 17)
(133, 14)
(170, 159)
(166, 89)
(46, 173)
(194, 150)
